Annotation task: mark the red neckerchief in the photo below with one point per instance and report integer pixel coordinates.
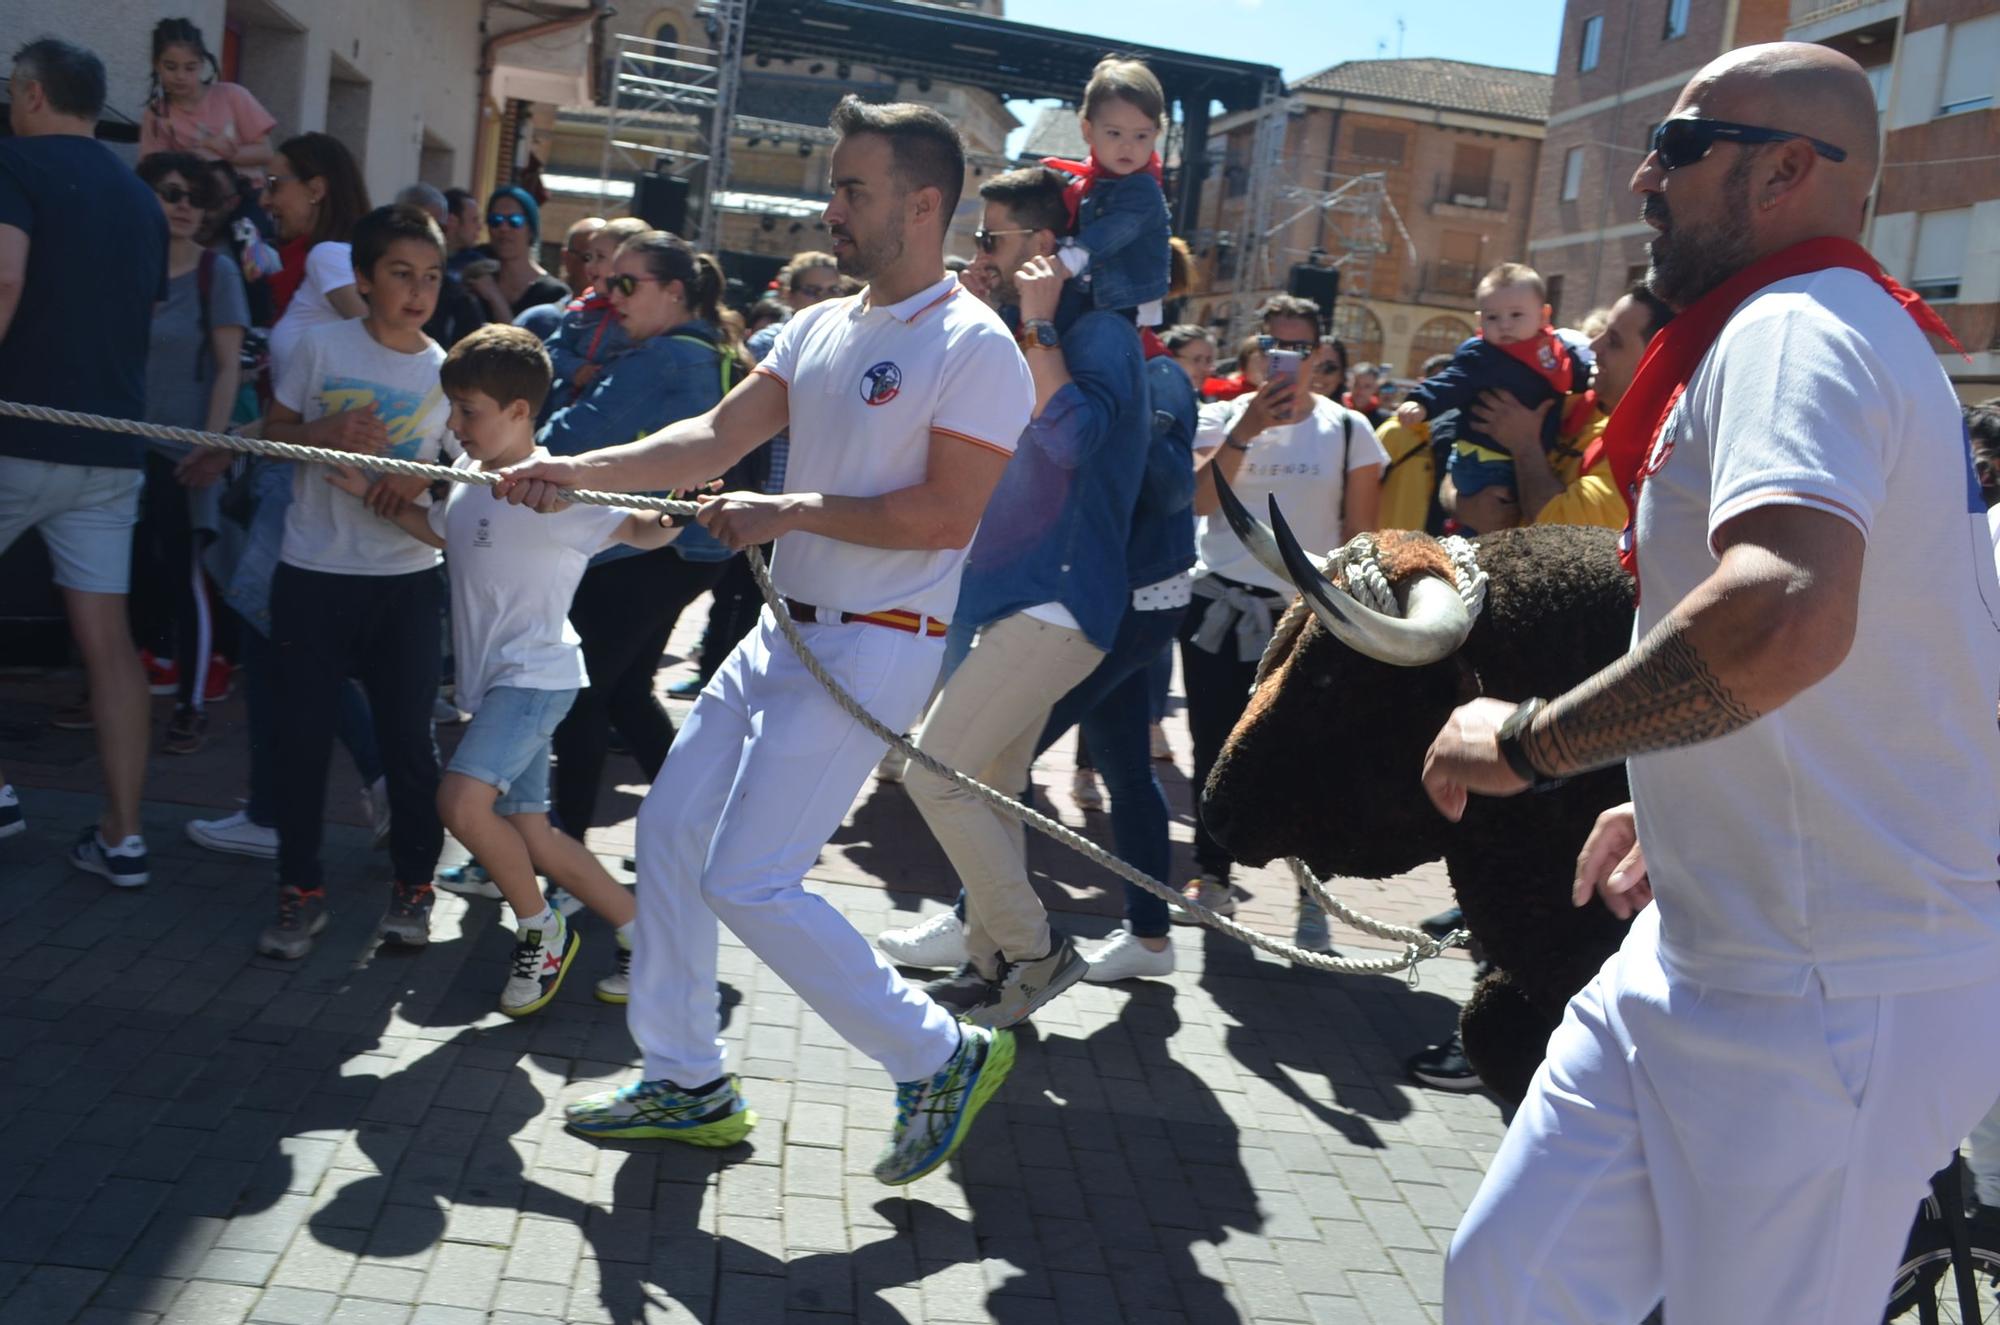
(1083, 177)
(1547, 355)
(1671, 359)
(589, 301)
(1152, 344)
(1225, 388)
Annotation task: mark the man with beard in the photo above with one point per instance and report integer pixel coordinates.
(1739, 1113)
(904, 403)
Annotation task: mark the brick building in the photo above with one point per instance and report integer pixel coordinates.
(1621, 64)
(1455, 148)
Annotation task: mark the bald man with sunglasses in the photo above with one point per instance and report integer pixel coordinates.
(1739, 1114)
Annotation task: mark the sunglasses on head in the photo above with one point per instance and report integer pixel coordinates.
(623, 284)
(176, 195)
(988, 240)
(513, 219)
(1687, 139)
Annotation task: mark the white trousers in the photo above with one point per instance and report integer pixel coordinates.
(1747, 1158)
(758, 779)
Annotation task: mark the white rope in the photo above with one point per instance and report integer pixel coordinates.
(1417, 946)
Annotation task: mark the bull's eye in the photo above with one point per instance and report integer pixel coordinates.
(1322, 681)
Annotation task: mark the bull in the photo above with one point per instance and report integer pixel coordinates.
(1325, 763)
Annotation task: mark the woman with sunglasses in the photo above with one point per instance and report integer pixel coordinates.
(192, 368)
(514, 234)
(668, 298)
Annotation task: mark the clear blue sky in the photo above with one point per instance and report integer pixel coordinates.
(1304, 36)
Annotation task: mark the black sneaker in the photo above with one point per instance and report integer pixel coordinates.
(408, 919)
(959, 994)
(124, 865)
(1443, 923)
(301, 915)
(1443, 1067)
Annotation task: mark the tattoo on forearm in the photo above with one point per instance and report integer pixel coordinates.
(1662, 696)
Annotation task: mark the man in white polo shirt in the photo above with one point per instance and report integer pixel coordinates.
(904, 403)
(1740, 1113)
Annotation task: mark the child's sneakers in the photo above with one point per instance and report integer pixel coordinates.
(541, 960)
(408, 919)
(123, 864)
(468, 880)
(162, 676)
(617, 987)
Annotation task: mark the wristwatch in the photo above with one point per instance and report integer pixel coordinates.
(1038, 334)
(1511, 749)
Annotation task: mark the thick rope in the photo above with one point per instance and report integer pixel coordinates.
(1417, 945)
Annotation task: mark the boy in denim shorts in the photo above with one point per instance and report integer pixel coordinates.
(513, 573)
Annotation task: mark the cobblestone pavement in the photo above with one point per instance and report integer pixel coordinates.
(200, 1135)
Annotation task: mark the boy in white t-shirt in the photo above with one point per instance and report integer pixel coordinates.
(351, 597)
(513, 573)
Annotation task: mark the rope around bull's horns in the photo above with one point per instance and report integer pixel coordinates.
(1417, 945)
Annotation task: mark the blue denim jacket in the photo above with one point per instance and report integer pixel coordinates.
(1162, 539)
(1123, 223)
(659, 380)
(1056, 526)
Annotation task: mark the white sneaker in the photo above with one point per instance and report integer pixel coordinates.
(235, 834)
(447, 714)
(1208, 891)
(1125, 958)
(375, 809)
(1083, 789)
(892, 767)
(617, 987)
(11, 821)
(1161, 750)
(938, 943)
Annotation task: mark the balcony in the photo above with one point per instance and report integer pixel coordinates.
(1448, 279)
(1820, 20)
(1457, 195)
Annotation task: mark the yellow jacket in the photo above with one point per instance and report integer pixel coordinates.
(1411, 479)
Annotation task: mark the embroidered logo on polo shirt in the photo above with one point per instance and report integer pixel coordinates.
(483, 535)
(880, 384)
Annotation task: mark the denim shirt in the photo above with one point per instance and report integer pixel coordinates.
(1124, 225)
(1056, 527)
(659, 380)
(585, 335)
(1162, 540)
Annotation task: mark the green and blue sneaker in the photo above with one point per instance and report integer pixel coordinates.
(648, 1110)
(468, 880)
(933, 1116)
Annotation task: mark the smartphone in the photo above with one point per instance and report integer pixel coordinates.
(1284, 366)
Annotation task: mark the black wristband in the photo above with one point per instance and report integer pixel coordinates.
(1511, 749)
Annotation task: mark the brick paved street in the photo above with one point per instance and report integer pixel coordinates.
(200, 1135)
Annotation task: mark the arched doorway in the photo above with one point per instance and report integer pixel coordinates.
(1440, 335)
(1359, 330)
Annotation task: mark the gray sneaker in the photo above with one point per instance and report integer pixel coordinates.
(933, 1116)
(301, 915)
(962, 991)
(1025, 986)
(408, 919)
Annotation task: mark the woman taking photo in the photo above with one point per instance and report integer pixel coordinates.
(1324, 465)
(514, 233)
(191, 109)
(667, 298)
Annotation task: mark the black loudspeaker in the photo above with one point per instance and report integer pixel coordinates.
(1319, 284)
(661, 201)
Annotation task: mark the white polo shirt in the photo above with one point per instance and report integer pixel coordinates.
(1849, 836)
(868, 386)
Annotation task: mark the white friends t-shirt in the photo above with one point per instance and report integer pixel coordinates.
(513, 573)
(340, 367)
(1302, 463)
(1850, 835)
(329, 267)
(869, 385)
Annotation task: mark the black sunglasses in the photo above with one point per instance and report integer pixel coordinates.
(1269, 343)
(624, 284)
(988, 240)
(514, 219)
(1686, 140)
(176, 195)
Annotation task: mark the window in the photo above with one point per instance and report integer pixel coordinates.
(1377, 145)
(1555, 284)
(665, 31)
(1572, 174)
(1878, 78)
(1942, 241)
(1359, 330)
(1593, 43)
(1972, 52)
(1471, 175)
(1677, 20)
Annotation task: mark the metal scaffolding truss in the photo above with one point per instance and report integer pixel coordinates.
(671, 86)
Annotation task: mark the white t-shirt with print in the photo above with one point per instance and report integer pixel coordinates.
(868, 387)
(329, 267)
(1301, 462)
(1850, 835)
(513, 573)
(339, 367)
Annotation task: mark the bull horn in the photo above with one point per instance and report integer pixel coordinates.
(1435, 620)
(1254, 534)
